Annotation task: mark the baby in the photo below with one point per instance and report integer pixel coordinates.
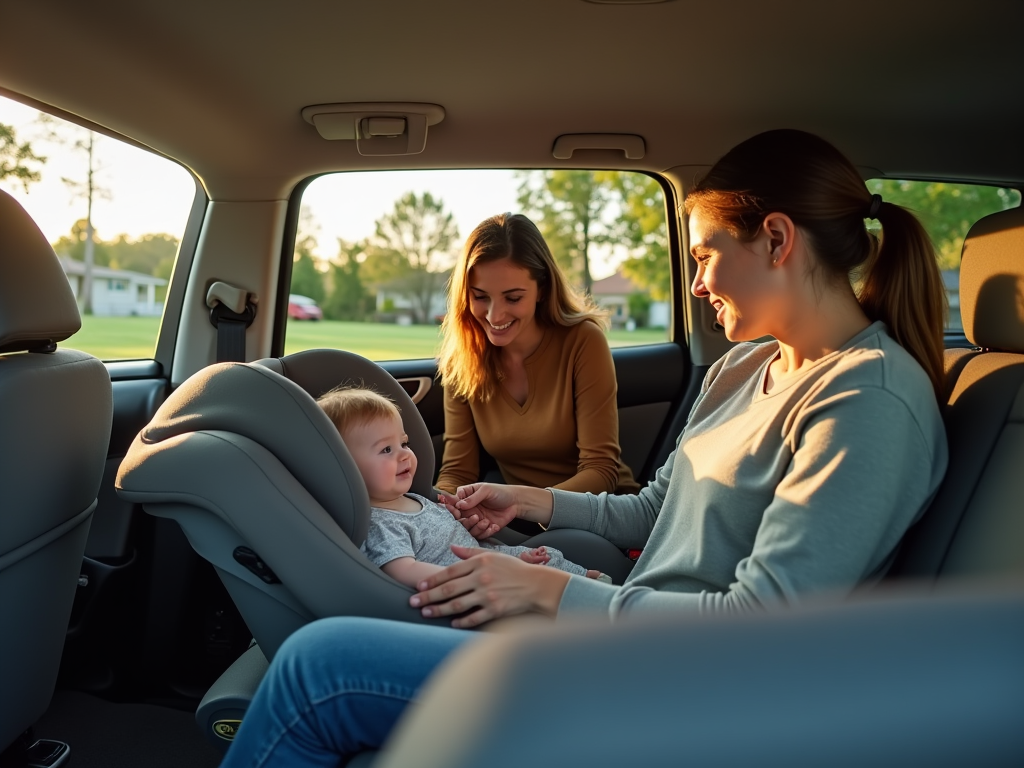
(409, 537)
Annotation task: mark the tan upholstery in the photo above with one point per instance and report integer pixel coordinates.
(992, 282)
(975, 526)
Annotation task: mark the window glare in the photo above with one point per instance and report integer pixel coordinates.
(139, 208)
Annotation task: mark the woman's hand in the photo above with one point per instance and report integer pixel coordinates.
(482, 508)
(487, 585)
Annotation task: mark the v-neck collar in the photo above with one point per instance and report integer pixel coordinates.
(531, 388)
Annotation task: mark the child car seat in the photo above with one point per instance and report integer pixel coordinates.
(259, 480)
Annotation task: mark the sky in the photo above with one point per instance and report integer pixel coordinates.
(148, 194)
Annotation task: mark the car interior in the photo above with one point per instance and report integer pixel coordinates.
(170, 517)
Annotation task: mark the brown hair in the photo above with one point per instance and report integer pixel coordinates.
(348, 406)
(812, 182)
(468, 362)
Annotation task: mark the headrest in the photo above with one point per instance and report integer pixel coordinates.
(320, 370)
(256, 403)
(37, 306)
(992, 282)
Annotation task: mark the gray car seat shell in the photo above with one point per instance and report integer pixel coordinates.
(319, 370)
(241, 456)
(55, 411)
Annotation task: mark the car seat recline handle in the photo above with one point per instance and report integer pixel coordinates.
(629, 143)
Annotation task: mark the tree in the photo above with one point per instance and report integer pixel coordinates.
(73, 245)
(947, 211)
(89, 190)
(149, 254)
(16, 159)
(348, 299)
(415, 242)
(568, 208)
(641, 228)
(307, 277)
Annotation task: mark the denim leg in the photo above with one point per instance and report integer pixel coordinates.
(335, 688)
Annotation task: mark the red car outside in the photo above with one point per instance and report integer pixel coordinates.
(303, 308)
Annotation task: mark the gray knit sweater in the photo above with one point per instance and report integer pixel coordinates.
(768, 498)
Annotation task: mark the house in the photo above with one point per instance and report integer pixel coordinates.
(613, 292)
(397, 304)
(116, 292)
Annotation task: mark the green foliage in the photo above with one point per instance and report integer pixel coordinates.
(307, 280)
(568, 208)
(947, 211)
(639, 306)
(642, 227)
(576, 210)
(16, 159)
(412, 248)
(348, 298)
(73, 245)
(148, 255)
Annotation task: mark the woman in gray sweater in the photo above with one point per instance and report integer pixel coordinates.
(803, 461)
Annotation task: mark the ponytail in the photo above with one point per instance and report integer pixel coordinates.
(903, 288)
(812, 182)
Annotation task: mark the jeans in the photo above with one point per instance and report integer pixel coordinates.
(336, 688)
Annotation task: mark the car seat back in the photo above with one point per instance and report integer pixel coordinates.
(319, 370)
(263, 487)
(55, 420)
(975, 525)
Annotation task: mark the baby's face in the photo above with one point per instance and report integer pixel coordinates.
(381, 451)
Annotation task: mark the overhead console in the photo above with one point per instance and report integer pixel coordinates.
(378, 128)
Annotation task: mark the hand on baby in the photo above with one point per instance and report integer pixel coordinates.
(482, 508)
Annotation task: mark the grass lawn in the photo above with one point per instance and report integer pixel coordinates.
(124, 338)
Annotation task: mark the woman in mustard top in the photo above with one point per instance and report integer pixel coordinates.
(526, 370)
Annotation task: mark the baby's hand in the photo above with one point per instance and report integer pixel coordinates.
(536, 556)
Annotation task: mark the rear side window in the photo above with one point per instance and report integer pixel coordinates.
(114, 214)
(374, 251)
(947, 212)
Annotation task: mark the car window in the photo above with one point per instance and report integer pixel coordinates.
(114, 214)
(374, 250)
(947, 212)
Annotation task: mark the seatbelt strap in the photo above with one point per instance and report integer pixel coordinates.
(232, 310)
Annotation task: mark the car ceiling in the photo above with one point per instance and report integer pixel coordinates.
(912, 88)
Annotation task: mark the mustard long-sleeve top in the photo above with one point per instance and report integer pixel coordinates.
(566, 434)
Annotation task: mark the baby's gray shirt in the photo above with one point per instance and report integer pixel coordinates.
(428, 536)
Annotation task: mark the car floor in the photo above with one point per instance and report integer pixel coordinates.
(105, 734)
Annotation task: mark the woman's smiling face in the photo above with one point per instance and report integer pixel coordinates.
(503, 299)
(732, 276)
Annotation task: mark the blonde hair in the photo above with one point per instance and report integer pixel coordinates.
(803, 176)
(467, 362)
(349, 406)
